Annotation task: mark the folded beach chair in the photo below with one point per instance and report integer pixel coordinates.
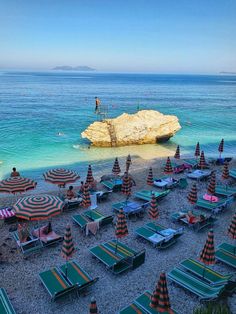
(205, 273)
(5, 304)
(77, 276)
(203, 290)
(213, 207)
(197, 226)
(7, 215)
(142, 305)
(199, 175)
(166, 183)
(146, 195)
(226, 257)
(28, 247)
(226, 191)
(55, 283)
(232, 173)
(113, 185)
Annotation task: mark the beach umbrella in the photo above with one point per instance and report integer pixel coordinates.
(232, 230)
(90, 178)
(207, 255)
(61, 176)
(93, 307)
(160, 297)
(17, 185)
(202, 161)
(221, 147)
(192, 196)
(126, 185)
(121, 226)
(212, 185)
(39, 207)
(177, 153)
(128, 162)
(168, 167)
(150, 177)
(225, 173)
(153, 211)
(116, 167)
(197, 150)
(68, 248)
(86, 196)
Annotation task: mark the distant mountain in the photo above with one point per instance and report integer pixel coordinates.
(70, 68)
(231, 73)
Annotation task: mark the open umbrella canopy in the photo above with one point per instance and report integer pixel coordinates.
(168, 167)
(160, 297)
(192, 196)
(212, 185)
(17, 185)
(93, 307)
(68, 248)
(126, 185)
(89, 178)
(121, 225)
(128, 162)
(202, 161)
(232, 228)
(39, 207)
(197, 150)
(150, 177)
(177, 153)
(225, 173)
(61, 176)
(86, 196)
(116, 167)
(153, 210)
(207, 255)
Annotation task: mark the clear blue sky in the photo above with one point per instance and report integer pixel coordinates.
(163, 36)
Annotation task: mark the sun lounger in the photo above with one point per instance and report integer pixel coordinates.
(213, 207)
(229, 248)
(102, 196)
(196, 286)
(96, 215)
(205, 273)
(55, 283)
(5, 304)
(7, 215)
(219, 161)
(199, 175)
(76, 275)
(71, 205)
(193, 163)
(183, 183)
(142, 305)
(146, 195)
(225, 257)
(47, 239)
(225, 190)
(80, 220)
(131, 207)
(113, 185)
(165, 183)
(232, 173)
(197, 226)
(28, 247)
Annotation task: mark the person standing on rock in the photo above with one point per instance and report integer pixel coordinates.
(97, 104)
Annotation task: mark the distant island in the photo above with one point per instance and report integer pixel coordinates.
(70, 68)
(231, 73)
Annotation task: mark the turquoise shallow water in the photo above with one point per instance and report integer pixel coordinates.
(35, 106)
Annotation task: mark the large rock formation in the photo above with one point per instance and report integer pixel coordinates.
(143, 127)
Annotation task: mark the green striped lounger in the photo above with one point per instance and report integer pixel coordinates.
(80, 220)
(212, 206)
(5, 304)
(232, 173)
(225, 190)
(226, 257)
(97, 215)
(147, 195)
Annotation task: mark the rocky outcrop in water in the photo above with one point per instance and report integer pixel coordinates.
(143, 127)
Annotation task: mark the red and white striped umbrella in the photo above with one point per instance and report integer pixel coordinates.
(17, 185)
(61, 176)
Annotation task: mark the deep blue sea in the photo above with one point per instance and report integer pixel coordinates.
(35, 106)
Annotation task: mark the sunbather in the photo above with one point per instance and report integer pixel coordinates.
(71, 196)
(191, 218)
(23, 232)
(14, 173)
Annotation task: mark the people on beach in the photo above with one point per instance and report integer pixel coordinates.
(71, 195)
(14, 173)
(97, 104)
(191, 218)
(81, 189)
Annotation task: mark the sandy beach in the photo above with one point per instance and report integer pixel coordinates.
(20, 277)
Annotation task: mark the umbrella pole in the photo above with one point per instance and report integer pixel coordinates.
(116, 245)
(66, 272)
(204, 269)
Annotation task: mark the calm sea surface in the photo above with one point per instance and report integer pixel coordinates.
(35, 106)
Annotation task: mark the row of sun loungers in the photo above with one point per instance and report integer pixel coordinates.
(118, 257)
(158, 235)
(226, 253)
(214, 207)
(146, 195)
(69, 277)
(5, 304)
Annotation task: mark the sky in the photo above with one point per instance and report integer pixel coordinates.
(160, 36)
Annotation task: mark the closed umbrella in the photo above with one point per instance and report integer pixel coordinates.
(153, 211)
(221, 147)
(177, 153)
(86, 202)
(207, 255)
(126, 185)
(192, 196)
(17, 185)
(150, 177)
(68, 248)
(232, 230)
(202, 161)
(128, 162)
(168, 167)
(197, 150)
(225, 173)
(90, 179)
(116, 167)
(212, 185)
(93, 307)
(121, 226)
(160, 297)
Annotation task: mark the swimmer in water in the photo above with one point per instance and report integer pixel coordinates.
(60, 133)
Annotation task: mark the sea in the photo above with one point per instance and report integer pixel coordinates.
(42, 115)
